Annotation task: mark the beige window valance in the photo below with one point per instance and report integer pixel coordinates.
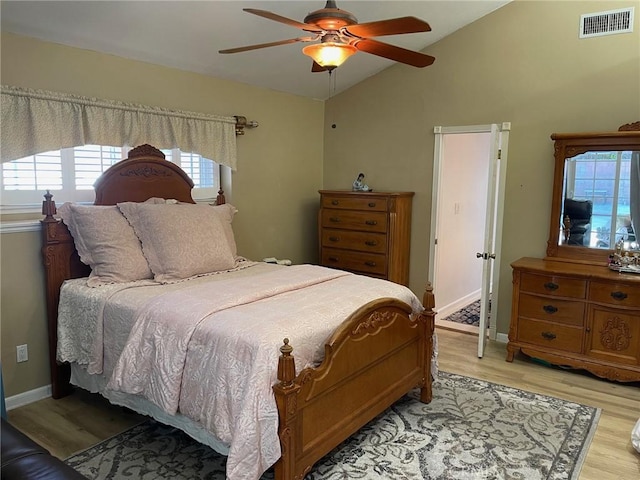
(35, 121)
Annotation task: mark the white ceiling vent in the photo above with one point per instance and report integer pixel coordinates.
(606, 23)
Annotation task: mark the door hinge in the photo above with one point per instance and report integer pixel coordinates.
(500, 154)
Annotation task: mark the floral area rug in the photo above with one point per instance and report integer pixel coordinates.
(471, 430)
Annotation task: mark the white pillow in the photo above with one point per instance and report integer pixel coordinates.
(180, 240)
(106, 242)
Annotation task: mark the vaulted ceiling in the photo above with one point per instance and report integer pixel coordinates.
(188, 34)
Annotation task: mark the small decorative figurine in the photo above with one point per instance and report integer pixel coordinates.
(359, 185)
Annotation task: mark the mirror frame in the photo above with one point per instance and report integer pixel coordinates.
(568, 145)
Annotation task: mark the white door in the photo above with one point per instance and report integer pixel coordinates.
(488, 235)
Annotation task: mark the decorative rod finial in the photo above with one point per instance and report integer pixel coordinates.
(242, 123)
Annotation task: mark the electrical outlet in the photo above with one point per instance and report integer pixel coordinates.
(22, 353)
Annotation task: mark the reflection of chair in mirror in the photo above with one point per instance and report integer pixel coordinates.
(625, 231)
(579, 213)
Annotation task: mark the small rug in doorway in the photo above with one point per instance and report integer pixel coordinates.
(469, 315)
(471, 429)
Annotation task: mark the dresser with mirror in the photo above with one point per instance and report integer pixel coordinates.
(579, 307)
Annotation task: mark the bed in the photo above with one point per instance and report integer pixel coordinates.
(370, 357)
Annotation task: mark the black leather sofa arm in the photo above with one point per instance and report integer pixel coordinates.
(24, 459)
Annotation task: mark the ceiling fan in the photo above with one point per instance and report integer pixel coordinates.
(341, 36)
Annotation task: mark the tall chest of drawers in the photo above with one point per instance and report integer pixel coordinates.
(366, 232)
(575, 315)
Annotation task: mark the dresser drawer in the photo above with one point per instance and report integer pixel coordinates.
(617, 294)
(355, 203)
(614, 335)
(352, 240)
(551, 309)
(354, 220)
(553, 285)
(355, 261)
(546, 334)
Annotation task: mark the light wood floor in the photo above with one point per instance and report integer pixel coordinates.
(74, 423)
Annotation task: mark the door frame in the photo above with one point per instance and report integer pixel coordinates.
(439, 132)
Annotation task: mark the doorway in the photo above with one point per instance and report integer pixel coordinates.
(466, 224)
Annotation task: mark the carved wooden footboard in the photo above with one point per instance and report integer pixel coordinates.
(376, 356)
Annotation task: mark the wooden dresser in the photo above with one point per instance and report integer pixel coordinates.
(578, 315)
(366, 232)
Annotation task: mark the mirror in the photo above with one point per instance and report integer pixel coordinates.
(596, 195)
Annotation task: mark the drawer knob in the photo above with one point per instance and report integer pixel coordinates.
(335, 202)
(370, 264)
(333, 259)
(334, 239)
(371, 243)
(370, 222)
(548, 335)
(551, 286)
(372, 204)
(619, 295)
(334, 219)
(550, 309)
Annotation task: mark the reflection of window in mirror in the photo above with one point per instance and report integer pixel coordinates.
(598, 197)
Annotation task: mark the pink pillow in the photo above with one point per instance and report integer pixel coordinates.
(106, 242)
(226, 212)
(180, 241)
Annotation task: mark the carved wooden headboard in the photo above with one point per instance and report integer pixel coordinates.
(144, 174)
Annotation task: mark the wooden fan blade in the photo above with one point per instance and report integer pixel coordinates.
(394, 26)
(287, 21)
(316, 67)
(392, 52)
(265, 45)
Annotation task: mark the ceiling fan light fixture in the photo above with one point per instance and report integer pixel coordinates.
(329, 54)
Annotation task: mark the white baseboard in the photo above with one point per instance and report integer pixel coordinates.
(502, 338)
(26, 398)
(446, 310)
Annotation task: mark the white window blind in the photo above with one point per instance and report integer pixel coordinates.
(35, 172)
(90, 161)
(71, 172)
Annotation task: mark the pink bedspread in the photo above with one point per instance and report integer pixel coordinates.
(211, 352)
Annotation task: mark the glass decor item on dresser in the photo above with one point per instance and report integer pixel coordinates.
(578, 307)
(596, 195)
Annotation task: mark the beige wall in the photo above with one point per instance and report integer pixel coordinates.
(277, 205)
(22, 312)
(523, 64)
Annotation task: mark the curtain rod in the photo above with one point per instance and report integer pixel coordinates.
(242, 123)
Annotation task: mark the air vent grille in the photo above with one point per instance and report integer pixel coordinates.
(606, 23)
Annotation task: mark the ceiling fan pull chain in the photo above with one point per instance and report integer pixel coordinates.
(332, 83)
(333, 75)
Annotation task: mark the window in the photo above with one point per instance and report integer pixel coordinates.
(604, 178)
(71, 172)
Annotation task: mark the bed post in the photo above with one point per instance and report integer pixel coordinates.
(220, 200)
(61, 262)
(427, 317)
(286, 398)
